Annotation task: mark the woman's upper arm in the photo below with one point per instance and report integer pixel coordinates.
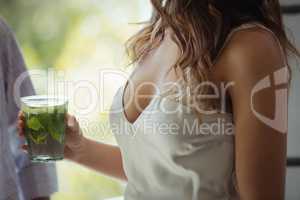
(260, 144)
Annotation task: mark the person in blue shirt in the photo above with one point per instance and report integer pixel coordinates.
(19, 178)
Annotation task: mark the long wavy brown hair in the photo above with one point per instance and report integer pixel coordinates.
(201, 27)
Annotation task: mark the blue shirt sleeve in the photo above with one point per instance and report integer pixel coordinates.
(36, 180)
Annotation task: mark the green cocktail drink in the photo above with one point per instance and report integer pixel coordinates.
(45, 127)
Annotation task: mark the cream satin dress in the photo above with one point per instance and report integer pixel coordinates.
(165, 158)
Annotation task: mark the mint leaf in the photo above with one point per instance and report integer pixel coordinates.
(42, 139)
(55, 134)
(34, 124)
(39, 138)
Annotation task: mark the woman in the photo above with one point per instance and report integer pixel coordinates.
(198, 61)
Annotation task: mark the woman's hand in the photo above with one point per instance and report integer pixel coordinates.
(101, 157)
(74, 140)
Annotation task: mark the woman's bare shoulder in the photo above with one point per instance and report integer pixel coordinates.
(250, 53)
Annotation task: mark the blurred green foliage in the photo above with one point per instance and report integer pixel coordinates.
(41, 26)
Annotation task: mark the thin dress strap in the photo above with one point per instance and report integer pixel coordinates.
(175, 93)
(246, 27)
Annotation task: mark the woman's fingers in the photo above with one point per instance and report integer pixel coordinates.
(25, 148)
(72, 124)
(20, 126)
(21, 115)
